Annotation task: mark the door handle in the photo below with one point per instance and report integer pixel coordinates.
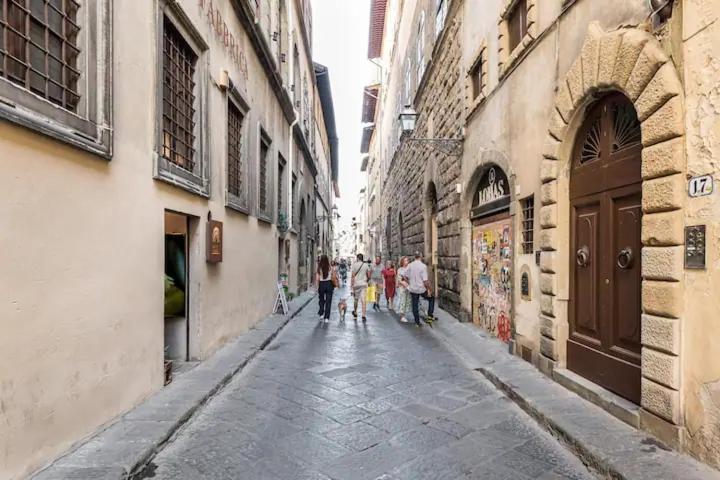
(582, 256)
(625, 258)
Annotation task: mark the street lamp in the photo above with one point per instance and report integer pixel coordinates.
(449, 146)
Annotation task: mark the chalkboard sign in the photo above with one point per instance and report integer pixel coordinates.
(281, 300)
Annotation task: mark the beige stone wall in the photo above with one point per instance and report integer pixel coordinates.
(701, 366)
(82, 248)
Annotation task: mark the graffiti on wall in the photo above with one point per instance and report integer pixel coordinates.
(492, 294)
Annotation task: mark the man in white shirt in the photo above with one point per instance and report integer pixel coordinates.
(419, 286)
(358, 284)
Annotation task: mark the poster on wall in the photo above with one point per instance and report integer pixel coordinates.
(491, 277)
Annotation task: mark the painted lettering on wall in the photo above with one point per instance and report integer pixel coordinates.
(221, 30)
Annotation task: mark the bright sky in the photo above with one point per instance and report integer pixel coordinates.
(340, 43)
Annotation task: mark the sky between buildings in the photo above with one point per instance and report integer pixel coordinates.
(340, 37)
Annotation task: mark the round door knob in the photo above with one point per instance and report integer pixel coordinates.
(625, 258)
(583, 256)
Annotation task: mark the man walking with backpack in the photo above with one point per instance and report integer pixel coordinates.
(419, 286)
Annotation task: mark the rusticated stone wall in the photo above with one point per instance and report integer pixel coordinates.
(415, 166)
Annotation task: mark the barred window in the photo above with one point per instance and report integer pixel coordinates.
(39, 48)
(293, 198)
(280, 180)
(235, 124)
(528, 224)
(179, 62)
(263, 176)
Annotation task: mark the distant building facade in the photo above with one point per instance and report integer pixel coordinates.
(149, 174)
(559, 180)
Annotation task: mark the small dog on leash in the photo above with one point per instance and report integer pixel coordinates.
(342, 309)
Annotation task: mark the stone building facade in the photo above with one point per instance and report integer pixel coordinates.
(579, 221)
(163, 145)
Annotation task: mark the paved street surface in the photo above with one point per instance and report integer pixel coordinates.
(351, 401)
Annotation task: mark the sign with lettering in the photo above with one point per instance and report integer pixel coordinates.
(492, 194)
(214, 241)
(224, 34)
(700, 186)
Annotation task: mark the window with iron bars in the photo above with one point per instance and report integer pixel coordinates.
(263, 176)
(39, 48)
(528, 224)
(280, 181)
(235, 167)
(179, 61)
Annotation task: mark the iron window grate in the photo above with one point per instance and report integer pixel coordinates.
(179, 62)
(235, 123)
(39, 48)
(262, 177)
(528, 224)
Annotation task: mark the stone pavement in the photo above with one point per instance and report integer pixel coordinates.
(383, 400)
(611, 447)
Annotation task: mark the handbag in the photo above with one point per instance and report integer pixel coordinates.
(370, 296)
(334, 278)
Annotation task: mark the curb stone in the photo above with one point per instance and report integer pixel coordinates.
(122, 450)
(604, 443)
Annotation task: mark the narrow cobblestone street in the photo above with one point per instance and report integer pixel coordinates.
(352, 401)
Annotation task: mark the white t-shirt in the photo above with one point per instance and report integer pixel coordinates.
(417, 274)
(360, 272)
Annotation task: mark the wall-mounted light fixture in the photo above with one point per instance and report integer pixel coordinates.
(449, 146)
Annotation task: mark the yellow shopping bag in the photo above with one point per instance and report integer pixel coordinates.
(370, 297)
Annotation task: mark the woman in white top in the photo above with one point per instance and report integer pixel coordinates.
(326, 280)
(403, 295)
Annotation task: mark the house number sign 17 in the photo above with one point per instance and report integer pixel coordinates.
(700, 186)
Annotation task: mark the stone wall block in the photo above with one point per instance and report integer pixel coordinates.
(548, 347)
(661, 333)
(575, 82)
(551, 149)
(663, 229)
(548, 193)
(663, 263)
(548, 216)
(664, 124)
(547, 304)
(548, 283)
(558, 126)
(548, 170)
(664, 86)
(664, 299)
(663, 194)
(548, 327)
(589, 56)
(648, 63)
(548, 239)
(563, 102)
(660, 400)
(548, 262)
(609, 46)
(661, 368)
(633, 41)
(664, 158)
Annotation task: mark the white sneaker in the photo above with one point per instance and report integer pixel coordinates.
(403, 320)
(326, 320)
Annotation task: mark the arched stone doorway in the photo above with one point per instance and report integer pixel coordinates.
(303, 249)
(491, 253)
(605, 221)
(632, 62)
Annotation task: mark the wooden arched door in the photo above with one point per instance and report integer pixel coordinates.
(605, 216)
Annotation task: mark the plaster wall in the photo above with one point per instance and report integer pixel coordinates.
(701, 368)
(82, 249)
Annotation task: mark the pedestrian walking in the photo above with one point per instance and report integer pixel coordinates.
(377, 280)
(419, 287)
(360, 276)
(389, 276)
(326, 278)
(403, 296)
